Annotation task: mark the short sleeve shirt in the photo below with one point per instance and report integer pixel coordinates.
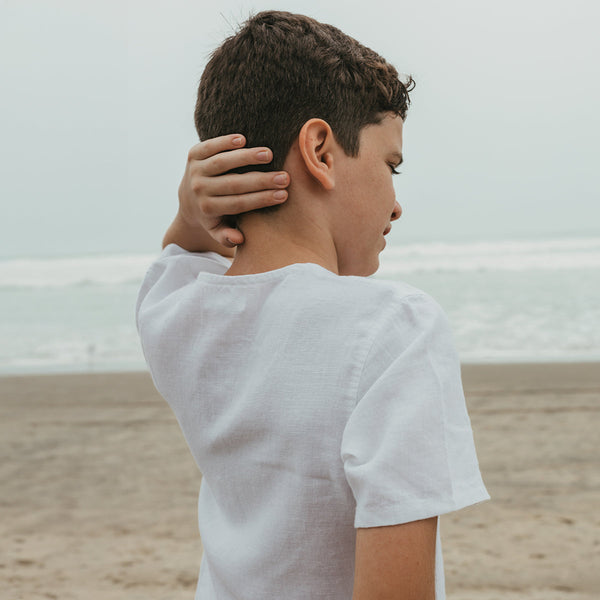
(313, 404)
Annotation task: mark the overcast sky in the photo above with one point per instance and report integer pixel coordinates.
(97, 105)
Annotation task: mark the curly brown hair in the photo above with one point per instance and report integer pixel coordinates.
(282, 69)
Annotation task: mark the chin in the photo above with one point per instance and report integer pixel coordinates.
(373, 270)
(364, 268)
(369, 269)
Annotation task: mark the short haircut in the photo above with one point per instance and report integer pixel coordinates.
(282, 69)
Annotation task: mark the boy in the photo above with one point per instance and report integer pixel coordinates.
(325, 410)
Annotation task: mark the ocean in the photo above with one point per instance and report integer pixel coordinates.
(507, 301)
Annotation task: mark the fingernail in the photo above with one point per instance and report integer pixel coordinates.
(280, 195)
(280, 179)
(263, 155)
(237, 141)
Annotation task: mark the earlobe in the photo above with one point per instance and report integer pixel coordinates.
(315, 141)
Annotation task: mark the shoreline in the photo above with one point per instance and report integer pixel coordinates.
(490, 366)
(99, 492)
(475, 374)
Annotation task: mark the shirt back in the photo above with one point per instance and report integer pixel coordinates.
(268, 375)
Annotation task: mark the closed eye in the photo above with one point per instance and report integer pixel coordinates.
(393, 165)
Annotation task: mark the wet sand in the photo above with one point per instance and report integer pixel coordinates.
(99, 491)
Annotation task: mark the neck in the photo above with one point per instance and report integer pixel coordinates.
(283, 238)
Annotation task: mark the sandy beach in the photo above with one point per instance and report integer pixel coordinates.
(98, 493)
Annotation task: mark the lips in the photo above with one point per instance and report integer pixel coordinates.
(387, 230)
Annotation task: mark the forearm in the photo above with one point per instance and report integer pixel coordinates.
(193, 238)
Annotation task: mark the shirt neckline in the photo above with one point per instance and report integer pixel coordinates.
(265, 275)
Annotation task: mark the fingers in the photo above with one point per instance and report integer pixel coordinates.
(219, 155)
(208, 192)
(225, 161)
(213, 146)
(238, 184)
(236, 204)
(228, 236)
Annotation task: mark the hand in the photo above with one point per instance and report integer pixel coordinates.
(207, 196)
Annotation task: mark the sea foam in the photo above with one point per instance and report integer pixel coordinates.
(545, 255)
(69, 271)
(506, 301)
(565, 254)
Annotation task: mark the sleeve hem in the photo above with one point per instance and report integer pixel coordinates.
(405, 510)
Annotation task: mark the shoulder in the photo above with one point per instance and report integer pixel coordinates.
(392, 311)
(390, 320)
(390, 305)
(410, 334)
(173, 256)
(379, 292)
(174, 269)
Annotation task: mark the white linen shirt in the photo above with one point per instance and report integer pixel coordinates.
(313, 404)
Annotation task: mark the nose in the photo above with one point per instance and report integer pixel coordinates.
(396, 213)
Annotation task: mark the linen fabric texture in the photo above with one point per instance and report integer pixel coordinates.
(312, 404)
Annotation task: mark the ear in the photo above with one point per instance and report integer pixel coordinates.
(316, 143)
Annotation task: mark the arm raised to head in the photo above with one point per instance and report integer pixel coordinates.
(209, 194)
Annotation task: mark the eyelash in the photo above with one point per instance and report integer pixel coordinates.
(394, 172)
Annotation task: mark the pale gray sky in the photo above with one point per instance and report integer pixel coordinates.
(97, 115)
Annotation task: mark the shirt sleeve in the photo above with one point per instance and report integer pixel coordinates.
(174, 269)
(407, 447)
